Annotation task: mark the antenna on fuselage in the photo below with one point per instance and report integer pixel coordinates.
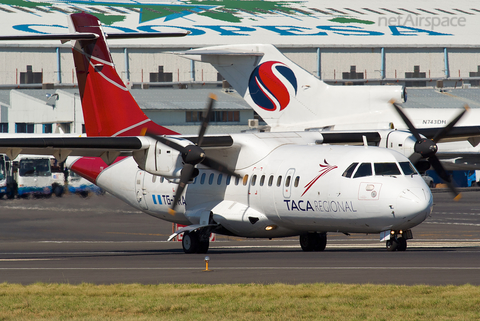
(365, 142)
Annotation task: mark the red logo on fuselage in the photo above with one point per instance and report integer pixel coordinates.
(325, 168)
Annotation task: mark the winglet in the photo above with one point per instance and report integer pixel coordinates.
(212, 96)
(143, 131)
(458, 197)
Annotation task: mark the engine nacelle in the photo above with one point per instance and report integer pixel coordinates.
(160, 159)
(401, 141)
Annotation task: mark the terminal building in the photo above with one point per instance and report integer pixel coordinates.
(419, 45)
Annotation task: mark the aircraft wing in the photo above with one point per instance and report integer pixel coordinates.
(455, 134)
(61, 147)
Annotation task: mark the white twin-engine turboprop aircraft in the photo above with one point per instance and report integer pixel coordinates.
(261, 185)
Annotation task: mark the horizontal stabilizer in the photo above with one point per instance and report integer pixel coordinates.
(134, 35)
(219, 53)
(92, 36)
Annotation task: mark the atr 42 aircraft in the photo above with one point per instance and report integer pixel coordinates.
(288, 97)
(258, 185)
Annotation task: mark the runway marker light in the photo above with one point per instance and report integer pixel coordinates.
(207, 259)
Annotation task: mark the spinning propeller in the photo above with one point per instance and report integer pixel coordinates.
(193, 155)
(427, 148)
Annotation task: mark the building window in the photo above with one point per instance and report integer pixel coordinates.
(216, 116)
(47, 128)
(24, 128)
(3, 127)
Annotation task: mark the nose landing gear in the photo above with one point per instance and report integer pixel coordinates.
(396, 240)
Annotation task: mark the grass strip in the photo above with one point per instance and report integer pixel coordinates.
(319, 301)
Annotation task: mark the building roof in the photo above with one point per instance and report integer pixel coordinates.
(447, 98)
(187, 99)
(195, 99)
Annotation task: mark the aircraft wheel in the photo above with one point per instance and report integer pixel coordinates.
(320, 241)
(307, 242)
(58, 190)
(402, 244)
(203, 247)
(190, 242)
(392, 245)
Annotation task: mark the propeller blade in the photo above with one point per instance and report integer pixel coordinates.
(443, 133)
(213, 164)
(414, 158)
(444, 175)
(187, 172)
(407, 121)
(206, 118)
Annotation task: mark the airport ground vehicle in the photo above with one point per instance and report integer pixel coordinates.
(3, 176)
(26, 175)
(79, 185)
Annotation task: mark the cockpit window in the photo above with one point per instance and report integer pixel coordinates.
(408, 168)
(386, 169)
(365, 169)
(349, 171)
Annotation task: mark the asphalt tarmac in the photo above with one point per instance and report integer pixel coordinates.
(101, 240)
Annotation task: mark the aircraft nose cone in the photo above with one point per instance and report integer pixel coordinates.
(413, 206)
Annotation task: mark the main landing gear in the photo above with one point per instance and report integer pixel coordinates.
(196, 241)
(313, 241)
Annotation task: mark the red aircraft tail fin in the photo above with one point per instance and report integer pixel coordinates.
(109, 108)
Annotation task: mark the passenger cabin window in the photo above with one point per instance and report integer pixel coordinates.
(210, 179)
(279, 180)
(287, 181)
(349, 171)
(254, 180)
(262, 180)
(270, 180)
(408, 168)
(219, 179)
(297, 180)
(245, 180)
(365, 169)
(229, 178)
(202, 179)
(237, 180)
(386, 169)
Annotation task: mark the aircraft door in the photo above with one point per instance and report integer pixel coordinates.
(287, 183)
(140, 190)
(254, 187)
